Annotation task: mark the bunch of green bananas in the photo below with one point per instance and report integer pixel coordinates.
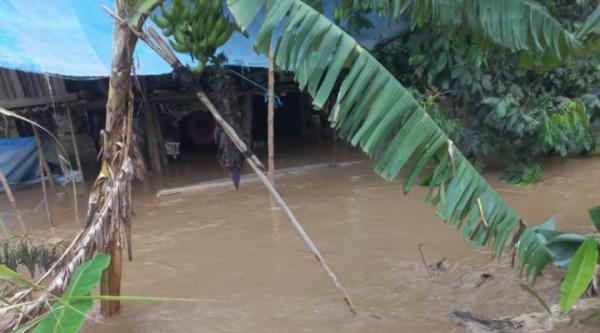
(197, 27)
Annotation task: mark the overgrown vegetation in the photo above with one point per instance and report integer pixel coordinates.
(519, 110)
(500, 102)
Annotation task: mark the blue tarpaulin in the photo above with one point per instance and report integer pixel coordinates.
(18, 160)
(74, 38)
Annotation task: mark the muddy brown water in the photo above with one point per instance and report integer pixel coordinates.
(246, 270)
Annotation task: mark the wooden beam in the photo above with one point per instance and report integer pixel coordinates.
(151, 136)
(17, 84)
(26, 102)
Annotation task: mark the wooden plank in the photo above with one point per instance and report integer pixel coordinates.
(251, 178)
(4, 93)
(10, 89)
(17, 84)
(36, 101)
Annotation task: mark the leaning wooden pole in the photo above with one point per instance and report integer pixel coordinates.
(297, 226)
(157, 44)
(74, 141)
(271, 118)
(13, 202)
(44, 174)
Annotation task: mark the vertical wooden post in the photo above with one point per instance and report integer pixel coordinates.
(247, 115)
(74, 141)
(160, 142)
(42, 156)
(151, 136)
(44, 173)
(271, 118)
(13, 202)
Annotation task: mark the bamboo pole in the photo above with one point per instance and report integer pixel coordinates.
(271, 118)
(74, 141)
(297, 226)
(42, 156)
(43, 173)
(13, 202)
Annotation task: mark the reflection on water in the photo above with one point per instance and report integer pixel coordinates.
(249, 272)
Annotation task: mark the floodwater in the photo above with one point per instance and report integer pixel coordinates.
(235, 256)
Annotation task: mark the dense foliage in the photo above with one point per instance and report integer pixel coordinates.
(493, 101)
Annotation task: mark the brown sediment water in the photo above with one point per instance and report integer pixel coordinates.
(235, 254)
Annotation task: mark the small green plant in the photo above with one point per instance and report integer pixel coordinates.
(68, 311)
(523, 175)
(579, 274)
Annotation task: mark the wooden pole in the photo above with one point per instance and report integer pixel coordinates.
(42, 156)
(151, 136)
(13, 202)
(299, 229)
(160, 140)
(271, 118)
(43, 173)
(74, 141)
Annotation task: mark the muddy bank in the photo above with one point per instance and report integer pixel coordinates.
(249, 271)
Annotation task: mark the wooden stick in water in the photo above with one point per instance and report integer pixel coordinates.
(43, 173)
(299, 229)
(42, 156)
(13, 202)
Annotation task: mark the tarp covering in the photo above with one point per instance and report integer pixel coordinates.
(74, 38)
(18, 160)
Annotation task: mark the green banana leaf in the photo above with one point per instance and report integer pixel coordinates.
(374, 111)
(519, 25)
(67, 316)
(140, 8)
(579, 275)
(591, 26)
(595, 215)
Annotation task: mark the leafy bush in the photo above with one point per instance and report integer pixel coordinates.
(502, 106)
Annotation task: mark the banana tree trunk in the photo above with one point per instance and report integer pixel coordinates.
(116, 139)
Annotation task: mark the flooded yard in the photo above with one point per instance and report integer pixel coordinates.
(235, 256)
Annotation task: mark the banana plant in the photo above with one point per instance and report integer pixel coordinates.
(376, 112)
